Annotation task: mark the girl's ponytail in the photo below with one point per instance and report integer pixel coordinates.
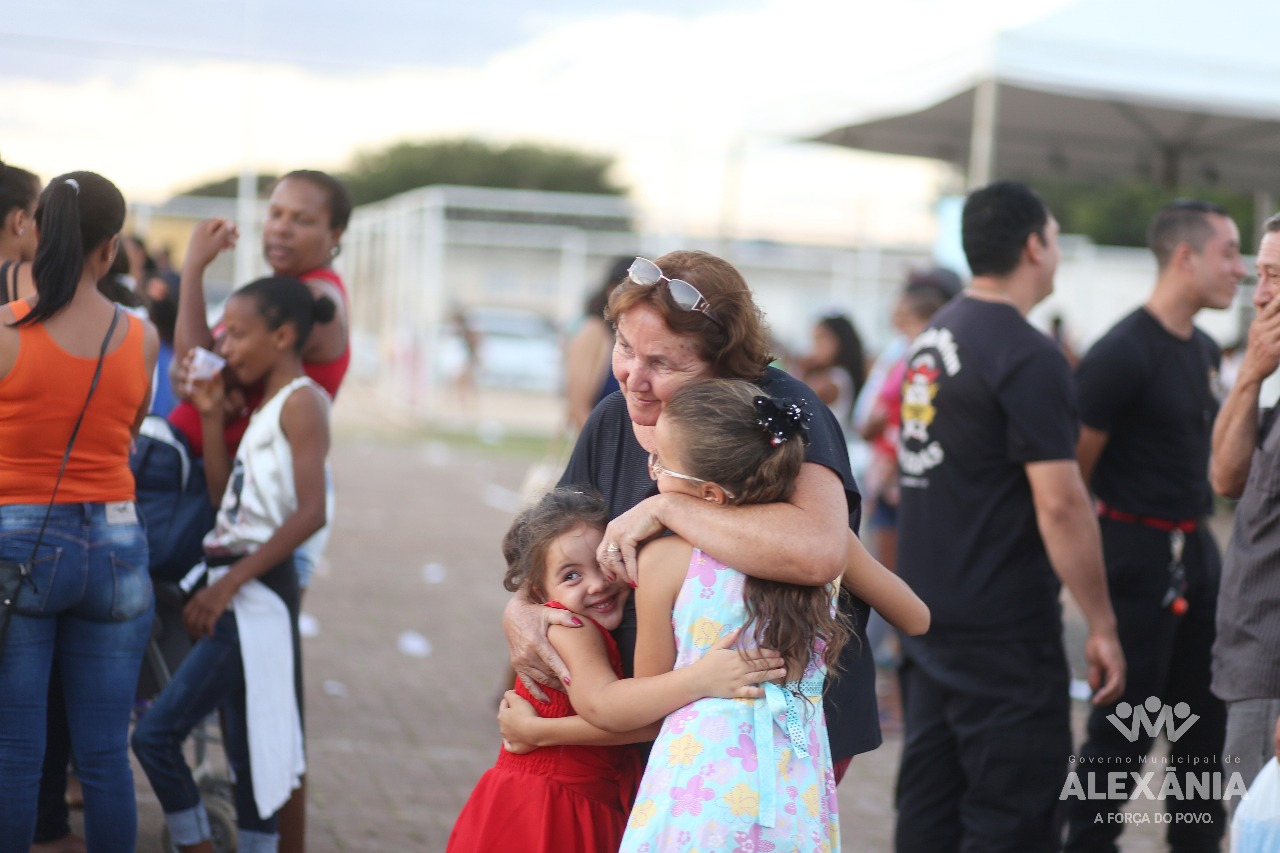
(324, 311)
(76, 214)
(283, 299)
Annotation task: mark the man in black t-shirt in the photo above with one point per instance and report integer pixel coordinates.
(993, 513)
(1148, 400)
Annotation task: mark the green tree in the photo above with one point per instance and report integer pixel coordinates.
(467, 162)
(228, 187)
(379, 174)
(1117, 214)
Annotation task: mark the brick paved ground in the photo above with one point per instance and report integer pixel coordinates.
(396, 739)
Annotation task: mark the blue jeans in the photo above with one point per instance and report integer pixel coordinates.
(210, 677)
(91, 605)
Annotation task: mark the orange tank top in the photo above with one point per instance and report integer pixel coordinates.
(39, 401)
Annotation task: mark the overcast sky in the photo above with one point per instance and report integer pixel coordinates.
(158, 94)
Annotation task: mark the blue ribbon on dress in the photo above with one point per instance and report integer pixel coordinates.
(779, 700)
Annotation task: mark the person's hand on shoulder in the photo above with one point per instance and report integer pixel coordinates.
(533, 657)
(626, 533)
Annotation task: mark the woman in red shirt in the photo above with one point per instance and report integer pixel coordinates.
(307, 215)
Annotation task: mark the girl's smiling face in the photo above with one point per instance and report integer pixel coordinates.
(575, 579)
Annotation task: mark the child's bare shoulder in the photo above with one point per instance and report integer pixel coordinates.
(566, 639)
(308, 397)
(665, 555)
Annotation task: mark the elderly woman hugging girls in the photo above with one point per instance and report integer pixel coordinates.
(732, 775)
(272, 500)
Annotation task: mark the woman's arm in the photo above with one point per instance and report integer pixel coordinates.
(883, 590)
(533, 657)
(801, 541)
(191, 329)
(305, 422)
(150, 352)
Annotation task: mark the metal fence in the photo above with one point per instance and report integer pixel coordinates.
(412, 261)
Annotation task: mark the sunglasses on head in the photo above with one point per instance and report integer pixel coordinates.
(645, 272)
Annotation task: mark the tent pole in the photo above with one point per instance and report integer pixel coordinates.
(982, 141)
(1264, 204)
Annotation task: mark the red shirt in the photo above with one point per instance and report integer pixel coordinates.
(328, 375)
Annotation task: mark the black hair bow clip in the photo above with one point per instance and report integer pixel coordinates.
(782, 419)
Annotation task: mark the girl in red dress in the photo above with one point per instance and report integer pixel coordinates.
(575, 799)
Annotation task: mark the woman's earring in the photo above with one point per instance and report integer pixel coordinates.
(335, 251)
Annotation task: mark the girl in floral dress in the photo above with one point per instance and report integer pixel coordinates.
(732, 775)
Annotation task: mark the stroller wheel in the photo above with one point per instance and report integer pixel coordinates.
(222, 825)
(215, 785)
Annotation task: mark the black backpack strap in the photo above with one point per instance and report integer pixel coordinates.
(8, 293)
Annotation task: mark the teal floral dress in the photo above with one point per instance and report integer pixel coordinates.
(734, 775)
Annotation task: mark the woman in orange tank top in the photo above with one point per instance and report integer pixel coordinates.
(88, 600)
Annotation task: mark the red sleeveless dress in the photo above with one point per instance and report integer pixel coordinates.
(558, 799)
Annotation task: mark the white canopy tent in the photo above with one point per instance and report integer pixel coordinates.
(1176, 91)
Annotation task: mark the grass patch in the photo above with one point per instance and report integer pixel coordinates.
(472, 442)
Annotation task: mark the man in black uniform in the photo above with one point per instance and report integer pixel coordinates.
(993, 514)
(1147, 402)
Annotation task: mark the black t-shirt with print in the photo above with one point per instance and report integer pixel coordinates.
(1153, 394)
(608, 457)
(984, 394)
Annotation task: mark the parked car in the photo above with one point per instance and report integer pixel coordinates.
(514, 349)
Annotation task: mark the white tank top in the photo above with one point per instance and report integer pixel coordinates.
(260, 493)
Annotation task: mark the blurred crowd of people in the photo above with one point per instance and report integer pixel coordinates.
(83, 545)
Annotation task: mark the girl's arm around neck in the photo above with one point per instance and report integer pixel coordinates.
(625, 704)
